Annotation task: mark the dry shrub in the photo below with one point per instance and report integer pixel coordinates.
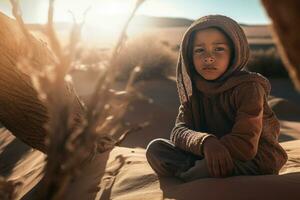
(73, 135)
(267, 62)
(156, 59)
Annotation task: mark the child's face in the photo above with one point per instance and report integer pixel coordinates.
(211, 53)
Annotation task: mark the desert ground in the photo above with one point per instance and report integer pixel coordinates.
(123, 172)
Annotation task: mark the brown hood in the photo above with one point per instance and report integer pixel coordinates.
(234, 75)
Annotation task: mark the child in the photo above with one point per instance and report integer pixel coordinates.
(225, 126)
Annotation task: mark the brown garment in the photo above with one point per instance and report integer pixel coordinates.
(168, 160)
(233, 107)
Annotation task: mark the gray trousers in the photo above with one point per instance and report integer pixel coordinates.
(168, 160)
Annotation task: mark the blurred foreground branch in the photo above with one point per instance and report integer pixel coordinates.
(73, 134)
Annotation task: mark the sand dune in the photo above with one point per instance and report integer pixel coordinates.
(124, 173)
(128, 176)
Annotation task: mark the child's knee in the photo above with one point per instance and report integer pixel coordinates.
(155, 147)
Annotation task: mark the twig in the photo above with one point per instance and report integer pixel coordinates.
(100, 86)
(54, 42)
(17, 14)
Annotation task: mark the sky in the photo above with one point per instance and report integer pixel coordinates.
(243, 11)
(105, 18)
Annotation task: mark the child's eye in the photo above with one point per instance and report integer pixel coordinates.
(219, 49)
(199, 50)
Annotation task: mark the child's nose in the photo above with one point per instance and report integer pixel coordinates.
(209, 60)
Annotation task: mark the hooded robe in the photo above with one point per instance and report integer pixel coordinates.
(232, 108)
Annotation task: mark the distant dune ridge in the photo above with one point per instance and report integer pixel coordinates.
(258, 35)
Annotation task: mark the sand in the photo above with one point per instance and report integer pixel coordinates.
(123, 173)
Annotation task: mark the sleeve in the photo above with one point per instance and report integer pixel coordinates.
(242, 141)
(182, 134)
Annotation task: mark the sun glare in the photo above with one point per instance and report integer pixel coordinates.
(97, 9)
(104, 19)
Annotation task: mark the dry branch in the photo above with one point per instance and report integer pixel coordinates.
(37, 102)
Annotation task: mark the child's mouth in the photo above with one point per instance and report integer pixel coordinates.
(209, 68)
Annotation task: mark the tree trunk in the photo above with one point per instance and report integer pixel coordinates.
(286, 17)
(21, 111)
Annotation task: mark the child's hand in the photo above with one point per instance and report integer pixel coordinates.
(218, 158)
